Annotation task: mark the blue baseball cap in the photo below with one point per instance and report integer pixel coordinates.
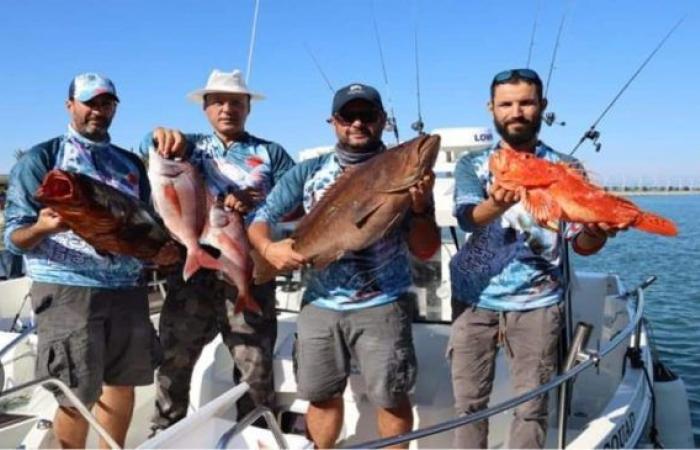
(86, 86)
(356, 91)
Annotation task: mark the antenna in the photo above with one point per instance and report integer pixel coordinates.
(252, 42)
(391, 124)
(592, 133)
(551, 117)
(318, 67)
(532, 35)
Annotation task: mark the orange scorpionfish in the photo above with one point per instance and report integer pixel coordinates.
(558, 191)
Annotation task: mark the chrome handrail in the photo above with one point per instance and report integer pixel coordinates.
(260, 411)
(22, 336)
(75, 401)
(593, 358)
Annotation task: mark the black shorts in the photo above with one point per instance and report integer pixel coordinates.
(93, 336)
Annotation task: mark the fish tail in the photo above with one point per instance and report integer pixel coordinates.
(196, 260)
(246, 302)
(653, 223)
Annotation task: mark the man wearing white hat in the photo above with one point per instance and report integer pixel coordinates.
(196, 311)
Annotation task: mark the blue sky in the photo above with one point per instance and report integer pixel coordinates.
(156, 52)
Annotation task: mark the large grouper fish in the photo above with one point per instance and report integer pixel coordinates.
(107, 219)
(365, 202)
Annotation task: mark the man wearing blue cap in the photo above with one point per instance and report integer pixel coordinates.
(91, 309)
(360, 304)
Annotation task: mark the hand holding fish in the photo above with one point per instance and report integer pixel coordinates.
(49, 222)
(169, 143)
(421, 193)
(603, 229)
(168, 255)
(503, 197)
(243, 200)
(282, 256)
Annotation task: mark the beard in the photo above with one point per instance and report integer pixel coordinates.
(527, 134)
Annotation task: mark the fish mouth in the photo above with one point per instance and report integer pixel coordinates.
(57, 186)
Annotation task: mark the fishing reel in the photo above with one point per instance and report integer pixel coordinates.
(418, 126)
(593, 135)
(550, 119)
(390, 126)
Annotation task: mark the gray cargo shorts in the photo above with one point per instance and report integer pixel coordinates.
(378, 338)
(90, 336)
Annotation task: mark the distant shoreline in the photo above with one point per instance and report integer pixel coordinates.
(647, 193)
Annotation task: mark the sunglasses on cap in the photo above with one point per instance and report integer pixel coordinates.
(363, 115)
(507, 75)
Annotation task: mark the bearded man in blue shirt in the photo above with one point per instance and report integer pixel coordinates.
(507, 286)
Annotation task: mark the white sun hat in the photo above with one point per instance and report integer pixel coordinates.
(226, 83)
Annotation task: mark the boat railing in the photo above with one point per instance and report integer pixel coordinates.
(249, 419)
(24, 335)
(72, 398)
(580, 360)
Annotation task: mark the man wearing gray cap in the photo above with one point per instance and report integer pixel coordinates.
(79, 296)
(360, 304)
(196, 311)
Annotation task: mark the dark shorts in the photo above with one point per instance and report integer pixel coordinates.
(379, 339)
(92, 336)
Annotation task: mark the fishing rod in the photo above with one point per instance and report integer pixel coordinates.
(532, 35)
(594, 134)
(418, 125)
(391, 124)
(318, 67)
(252, 42)
(551, 117)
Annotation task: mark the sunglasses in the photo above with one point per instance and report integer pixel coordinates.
(363, 115)
(507, 75)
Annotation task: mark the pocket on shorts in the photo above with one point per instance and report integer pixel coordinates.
(64, 358)
(404, 373)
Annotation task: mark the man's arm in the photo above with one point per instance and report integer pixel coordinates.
(284, 197)
(27, 224)
(474, 206)
(168, 143)
(593, 237)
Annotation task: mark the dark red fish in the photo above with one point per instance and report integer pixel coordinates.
(365, 202)
(109, 220)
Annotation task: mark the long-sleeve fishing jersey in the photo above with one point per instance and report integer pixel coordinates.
(65, 258)
(512, 263)
(250, 162)
(374, 276)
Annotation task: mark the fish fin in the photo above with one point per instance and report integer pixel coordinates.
(364, 211)
(196, 260)
(246, 303)
(263, 271)
(653, 223)
(541, 205)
